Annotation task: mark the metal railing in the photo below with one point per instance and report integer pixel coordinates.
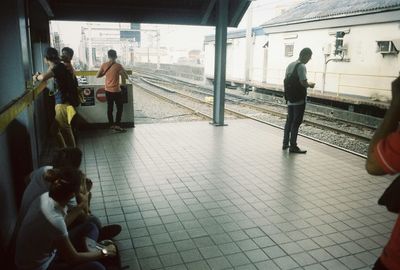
(11, 111)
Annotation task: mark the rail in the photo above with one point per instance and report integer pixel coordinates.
(11, 111)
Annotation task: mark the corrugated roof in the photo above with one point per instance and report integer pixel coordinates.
(258, 31)
(314, 10)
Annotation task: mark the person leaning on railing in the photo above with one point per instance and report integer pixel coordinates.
(64, 85)
(384, 158)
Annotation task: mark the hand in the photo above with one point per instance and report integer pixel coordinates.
(311, 84)
(35, 77)
(111, 250)
(396, 91)
(83, 200)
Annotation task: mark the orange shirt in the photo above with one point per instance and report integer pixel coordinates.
(387, 153)
(112, 76)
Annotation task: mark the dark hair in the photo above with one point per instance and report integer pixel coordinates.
(51, 55)
(112, 54)
(305, 52)
(67, 53)
(67, 157)
(67, 183)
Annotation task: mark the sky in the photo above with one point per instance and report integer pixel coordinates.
(182, 37)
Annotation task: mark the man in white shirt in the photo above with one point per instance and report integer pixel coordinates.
(43, 231)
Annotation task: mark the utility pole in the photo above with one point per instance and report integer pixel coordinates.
(248, 43)
(90, 47)
(158, 48)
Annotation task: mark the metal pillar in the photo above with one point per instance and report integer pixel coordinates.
(220, 62)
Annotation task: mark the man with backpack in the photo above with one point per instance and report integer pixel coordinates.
(65, 97)
(296, 85)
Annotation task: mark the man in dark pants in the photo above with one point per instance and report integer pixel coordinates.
(113, 70)
(296, 109)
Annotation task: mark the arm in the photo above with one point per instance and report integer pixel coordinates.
(80, 209)
(307, 84)
(389, 125)
(302, 73)
(70, 255)
(43, 77)
(100, 72)
(124, 76)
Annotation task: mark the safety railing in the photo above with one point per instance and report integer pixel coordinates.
(11, 111)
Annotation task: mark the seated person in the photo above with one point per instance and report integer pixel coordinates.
(40, 180)
(43, 241)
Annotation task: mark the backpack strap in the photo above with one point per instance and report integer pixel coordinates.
(108, 68)
(295, 70)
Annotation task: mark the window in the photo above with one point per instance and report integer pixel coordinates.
(289, 50)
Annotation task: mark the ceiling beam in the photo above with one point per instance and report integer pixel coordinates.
(46, 7)
(239, 11)
(207, 10)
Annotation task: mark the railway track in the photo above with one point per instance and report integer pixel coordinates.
(277, 113)
(273, 105)
(241, 108)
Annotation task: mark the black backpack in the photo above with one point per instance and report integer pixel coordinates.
(294, 91)
(75, 96)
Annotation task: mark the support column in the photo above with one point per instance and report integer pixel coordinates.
(220, 62)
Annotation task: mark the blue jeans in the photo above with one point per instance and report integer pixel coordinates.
(77, 236)
(293, 121)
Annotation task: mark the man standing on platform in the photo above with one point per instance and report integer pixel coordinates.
(384, 158)
(113, 70)
(297, 73)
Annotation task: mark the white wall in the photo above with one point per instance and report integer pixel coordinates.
(366, 73)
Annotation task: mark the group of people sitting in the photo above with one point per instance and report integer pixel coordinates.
(55, 228)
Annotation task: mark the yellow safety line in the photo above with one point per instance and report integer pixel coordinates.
(17, 106)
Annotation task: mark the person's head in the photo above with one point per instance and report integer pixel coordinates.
(112, 54)
(66, 54)
(67, 157)
(65, 185)
(305, 55)
(51, 55)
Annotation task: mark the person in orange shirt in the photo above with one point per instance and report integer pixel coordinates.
(384, 158)
(113, 70)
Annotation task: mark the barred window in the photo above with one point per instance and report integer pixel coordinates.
(289, 50)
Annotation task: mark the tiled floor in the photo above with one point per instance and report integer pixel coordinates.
(194, 196)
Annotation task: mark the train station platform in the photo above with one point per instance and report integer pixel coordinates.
(193, 196)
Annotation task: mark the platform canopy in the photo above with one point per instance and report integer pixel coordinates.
(188, 12)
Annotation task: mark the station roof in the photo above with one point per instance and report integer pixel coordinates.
(188, 12)
(316, 10)
(241, 33)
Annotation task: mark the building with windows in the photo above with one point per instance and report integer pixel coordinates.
(355, 47)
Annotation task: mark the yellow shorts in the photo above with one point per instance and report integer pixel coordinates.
(64, 115)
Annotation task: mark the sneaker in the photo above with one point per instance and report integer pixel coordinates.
(285, 146)
(118, 128)
(109, 231)
(297, 150)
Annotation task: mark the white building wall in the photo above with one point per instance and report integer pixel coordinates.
(257, 67)
(209, 53)
(236, 59)
(364, 73)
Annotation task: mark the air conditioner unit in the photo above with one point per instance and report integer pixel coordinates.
(386, 47)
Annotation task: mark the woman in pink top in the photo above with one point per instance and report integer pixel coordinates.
(112, 70)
